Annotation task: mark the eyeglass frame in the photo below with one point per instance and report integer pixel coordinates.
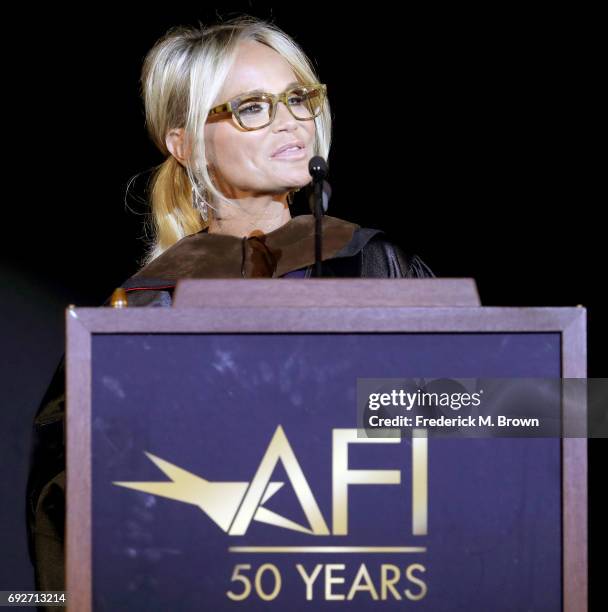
(232, 105)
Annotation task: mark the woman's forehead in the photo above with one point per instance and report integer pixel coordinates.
(258, 67)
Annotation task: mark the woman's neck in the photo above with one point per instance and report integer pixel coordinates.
(249, 216)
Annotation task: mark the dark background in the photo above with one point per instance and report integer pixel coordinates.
(469, 137)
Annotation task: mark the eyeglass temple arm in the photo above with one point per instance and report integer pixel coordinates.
(222, 108)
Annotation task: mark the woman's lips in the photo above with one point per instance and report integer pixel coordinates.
(291, 150)
(295, 153)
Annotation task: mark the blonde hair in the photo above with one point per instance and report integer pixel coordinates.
(181, 78)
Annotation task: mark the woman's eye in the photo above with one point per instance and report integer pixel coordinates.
(295, 100)
(251, 109)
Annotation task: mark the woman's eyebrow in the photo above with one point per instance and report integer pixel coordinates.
(261, 91)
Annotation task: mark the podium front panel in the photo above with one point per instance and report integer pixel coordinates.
(214, 465)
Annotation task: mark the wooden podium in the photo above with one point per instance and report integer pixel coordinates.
(212, 462)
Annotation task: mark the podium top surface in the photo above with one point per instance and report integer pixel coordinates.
(329, 292)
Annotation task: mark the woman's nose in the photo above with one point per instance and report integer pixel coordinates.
(283, 119)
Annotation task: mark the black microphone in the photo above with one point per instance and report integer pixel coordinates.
(317, 168)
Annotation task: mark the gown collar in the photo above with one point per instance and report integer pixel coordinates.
(271, 255)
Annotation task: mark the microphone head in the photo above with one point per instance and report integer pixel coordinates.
(317, 168)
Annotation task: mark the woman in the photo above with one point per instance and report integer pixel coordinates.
(238, 112)
(220, 201)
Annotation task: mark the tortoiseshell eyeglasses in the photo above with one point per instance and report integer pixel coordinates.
(256, 110)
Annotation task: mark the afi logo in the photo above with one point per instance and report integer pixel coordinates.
(233, 505)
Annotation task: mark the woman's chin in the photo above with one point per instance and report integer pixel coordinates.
(295, 181)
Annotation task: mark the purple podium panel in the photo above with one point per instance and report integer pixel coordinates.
(227, 475)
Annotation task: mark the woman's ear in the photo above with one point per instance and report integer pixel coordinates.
(176, 143)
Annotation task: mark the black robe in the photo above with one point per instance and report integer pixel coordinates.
(349, 251)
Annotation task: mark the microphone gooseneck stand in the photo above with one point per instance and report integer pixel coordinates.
(317, 167)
